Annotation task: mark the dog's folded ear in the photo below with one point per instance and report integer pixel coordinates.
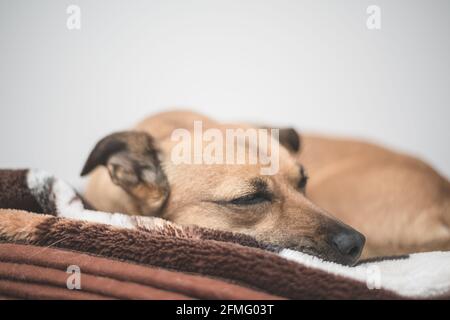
(290, 139)
(133, 164)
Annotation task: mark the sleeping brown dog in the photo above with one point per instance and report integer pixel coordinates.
(135, 174)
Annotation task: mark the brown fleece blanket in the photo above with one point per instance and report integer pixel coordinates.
(45, 227)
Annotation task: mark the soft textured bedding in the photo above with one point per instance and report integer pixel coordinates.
(45, 226)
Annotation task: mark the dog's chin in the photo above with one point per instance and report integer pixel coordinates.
(326, 255)
(346, 261)
(309, 246)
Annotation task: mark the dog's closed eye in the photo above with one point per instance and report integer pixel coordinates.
(301, 185)
(251, 199)
(257, 192)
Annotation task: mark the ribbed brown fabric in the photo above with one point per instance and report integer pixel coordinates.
(46, 268)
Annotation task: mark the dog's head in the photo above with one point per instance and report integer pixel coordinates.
(272, 208)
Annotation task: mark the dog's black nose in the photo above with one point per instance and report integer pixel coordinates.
(349, 243)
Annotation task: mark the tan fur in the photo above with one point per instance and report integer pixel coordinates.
(290, 220)
(374, 190)
(398, 202)
(18, 225)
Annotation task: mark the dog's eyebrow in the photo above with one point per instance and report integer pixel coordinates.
(259, 186)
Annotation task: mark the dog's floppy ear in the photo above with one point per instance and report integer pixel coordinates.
(290, 139)
(133, 164)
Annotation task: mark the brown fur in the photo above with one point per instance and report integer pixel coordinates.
(269, 273)
(199, 195)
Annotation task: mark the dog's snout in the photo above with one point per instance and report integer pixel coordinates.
(349, 243)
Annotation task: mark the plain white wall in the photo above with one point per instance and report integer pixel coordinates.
(312, 64)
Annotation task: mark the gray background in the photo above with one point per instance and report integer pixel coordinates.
(312, 64)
